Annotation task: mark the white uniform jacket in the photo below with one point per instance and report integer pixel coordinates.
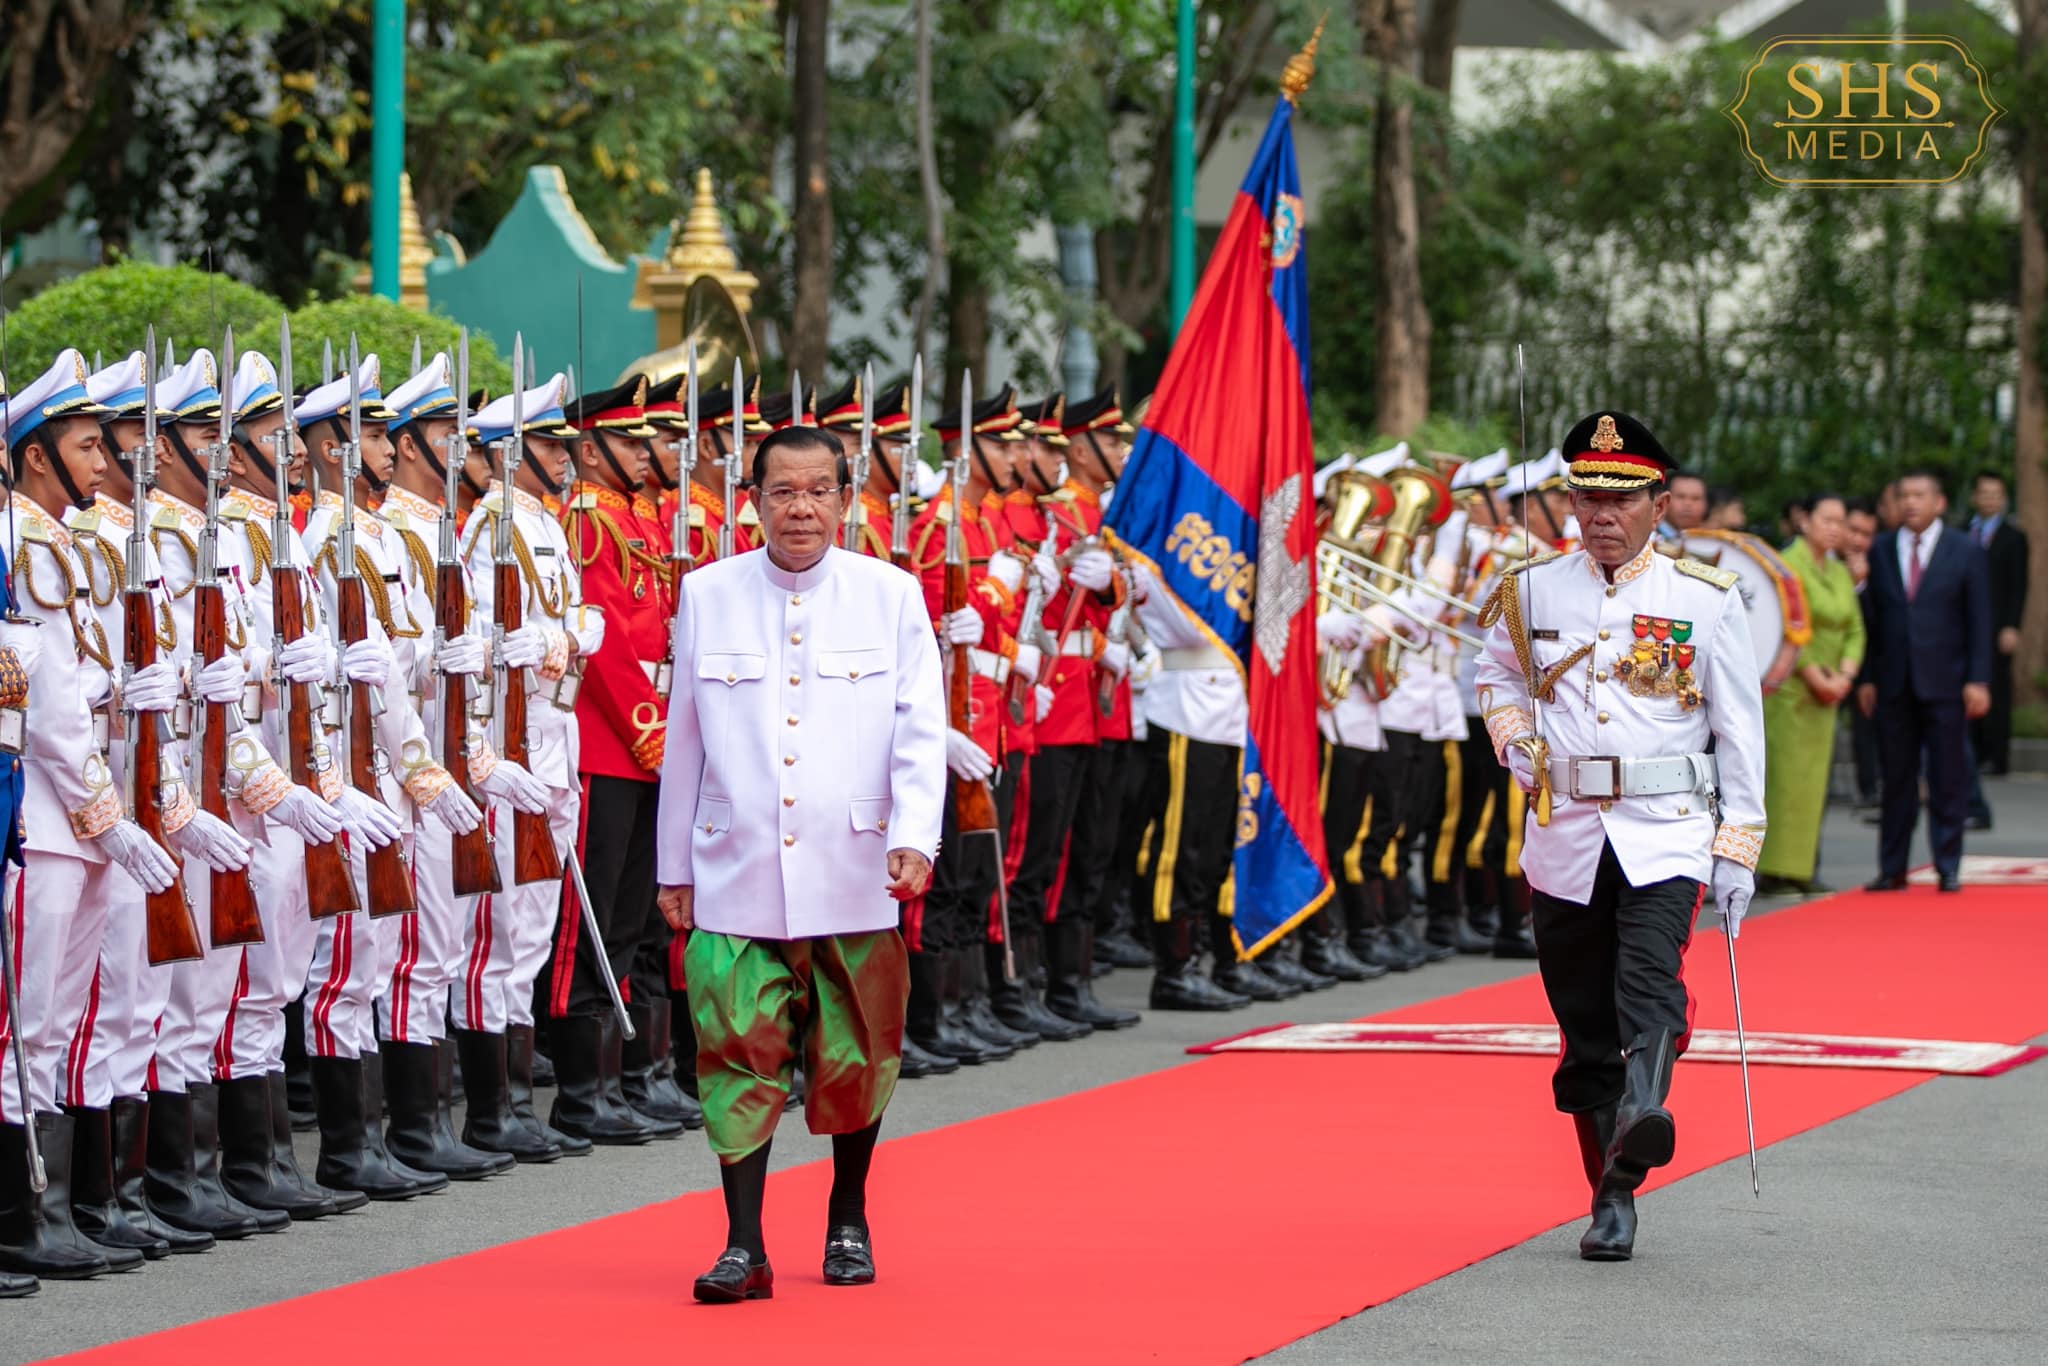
(806, 739)
(1198, 691)
(1677, 615)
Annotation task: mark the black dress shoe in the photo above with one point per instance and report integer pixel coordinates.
(849, 1256)
(1183, 988)
(1290, 973)
(15, 1287)
(918, 1062)
(1245, 979)
(1119, 949)
(1885, 882)
(1977, 823)
(1951, 882)
(1330, 957)
(736, 1276)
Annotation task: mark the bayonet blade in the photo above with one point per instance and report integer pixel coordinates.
(916, 416)
(284, 379)
(689, 460)
(867, 413)
(227, 387)
(415, 353)
(149, 388)
(796, 398)
(355, 407)
(327, 362)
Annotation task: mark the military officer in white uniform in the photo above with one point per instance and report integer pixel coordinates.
(1619, 688)
(802, 797)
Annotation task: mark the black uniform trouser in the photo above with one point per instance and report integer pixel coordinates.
(1405, 785)
(617, 853)
(1195, 836)
(1127, 794)
(963, 879)
(1347, 785)
(1058, 774)
(1443, 859)
(1611, 968)
(1482, 821)
(1991, 734)
(1093, 834)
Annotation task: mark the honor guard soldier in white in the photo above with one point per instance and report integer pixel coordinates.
(1619, 687)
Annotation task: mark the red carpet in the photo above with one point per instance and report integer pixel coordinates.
(1094, 1228)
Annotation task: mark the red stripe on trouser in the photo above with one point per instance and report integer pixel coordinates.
(479, 944)
(81, 1043)
(400, 1009)
(224, 1046)
(678, 980)
(323, 1041)
(1691, 1005)
(568, 920)
(1059, 882)
(11, 926)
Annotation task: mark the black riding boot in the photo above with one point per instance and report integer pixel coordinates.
(979, 968)
(248, 1167)
(1513, 939)
(613, 1075)
(37, 1237)
(419, 1134)
(348, 1161)
(934, 1011)
(519, 1084)
(651, 1089)
(1017, 1003)
(583, 1109)
(488, 1123)
(1280, 964)
(130, 1118)
(1069, 994)
(95, 1211)
(284, 1155)
(1175, 983)
(1612, 1235)
(206, 1160)
(171, 1181)
(1644, 1135)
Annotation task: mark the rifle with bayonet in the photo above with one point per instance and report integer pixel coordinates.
(732, 462)
(330, 890)
(533, 844)
(231, 904)
(173, 934)
(475, 861)
(899, 515)
(857, 513)
(389, 876)
(680, 558)
(973, 804)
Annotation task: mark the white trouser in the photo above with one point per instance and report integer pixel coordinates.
(116, 1040)
(351, 956)
(268, 976)
(512, 931)
(432, 945)
(56, 913)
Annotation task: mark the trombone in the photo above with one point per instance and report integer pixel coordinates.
(1349, 588)
(1362, 567)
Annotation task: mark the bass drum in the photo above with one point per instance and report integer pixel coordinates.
(1776, 602)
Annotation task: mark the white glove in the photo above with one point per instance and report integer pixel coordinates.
(1116, 658)
(969, 761)
(1519, 767)
(1146, 669)
(1028, 662)
(152, 689)
(524, 648)
(1734, 885)
(142, 856)
(509, 782)
(221, 681)
(308, 815)
(213, 842)
(455, 810)
(1044, 696)
(309, 659)
(1006, 569)
(463, 655)
(1340, 629)
(1047, 571)
(961, 628)
(367, 662)
(368, 819)
(1091, 570)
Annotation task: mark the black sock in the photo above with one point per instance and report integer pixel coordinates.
(746, 1186)
(851, 1154)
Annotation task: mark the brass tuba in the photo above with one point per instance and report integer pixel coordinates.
(1354, 502)
(1422, 499)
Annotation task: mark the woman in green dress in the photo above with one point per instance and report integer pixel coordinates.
(1799, 718)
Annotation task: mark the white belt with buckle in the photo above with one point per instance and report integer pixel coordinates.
(1603, 777)
(1080, 645)
(1190, 657)
(989, 664)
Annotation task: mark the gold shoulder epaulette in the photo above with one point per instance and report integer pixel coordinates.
(583, 502)
(166, 518)
(1545, 558)
(86, 523)
(696, 517)
(32, 529)
(1723, 579)
(944, 511)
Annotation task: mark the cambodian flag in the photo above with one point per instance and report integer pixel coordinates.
(1216, 496)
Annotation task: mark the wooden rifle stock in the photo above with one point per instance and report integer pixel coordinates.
(476, 866)
(533, 844)
(231, 906)
(173, 935)
(330, 890)
(389, 879)
(974, 806)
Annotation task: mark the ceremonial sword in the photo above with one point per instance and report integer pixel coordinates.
(1742, 1050)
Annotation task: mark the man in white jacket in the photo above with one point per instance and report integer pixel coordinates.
(801, 799)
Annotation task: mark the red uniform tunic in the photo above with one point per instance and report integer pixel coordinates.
(621, 721)
(987, 597)
(873, 538)
(1020, 529)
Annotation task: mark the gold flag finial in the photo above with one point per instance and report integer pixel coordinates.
(1301, 67)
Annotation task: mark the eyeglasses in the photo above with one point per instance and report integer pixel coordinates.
(782, 497)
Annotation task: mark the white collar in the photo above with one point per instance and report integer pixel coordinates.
(799, 583)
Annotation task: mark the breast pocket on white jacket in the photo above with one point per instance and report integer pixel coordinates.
(723, 677)
(862, 701)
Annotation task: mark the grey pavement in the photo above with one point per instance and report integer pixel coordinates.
(1886, 1236)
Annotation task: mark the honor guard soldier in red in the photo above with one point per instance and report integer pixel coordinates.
(1619, 687)
(621, 720)
(872, 511)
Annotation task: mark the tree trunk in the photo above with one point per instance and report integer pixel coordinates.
(1439, 48)
(2030, 418)
(966, 331)
(928, 183)
(1400, 320)
(54, 58)
(810, 313)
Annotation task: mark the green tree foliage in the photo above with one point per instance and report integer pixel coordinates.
(108, 311)
(386, 330)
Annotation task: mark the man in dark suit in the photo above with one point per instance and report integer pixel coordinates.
(2005, 548)
(1926, 674)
